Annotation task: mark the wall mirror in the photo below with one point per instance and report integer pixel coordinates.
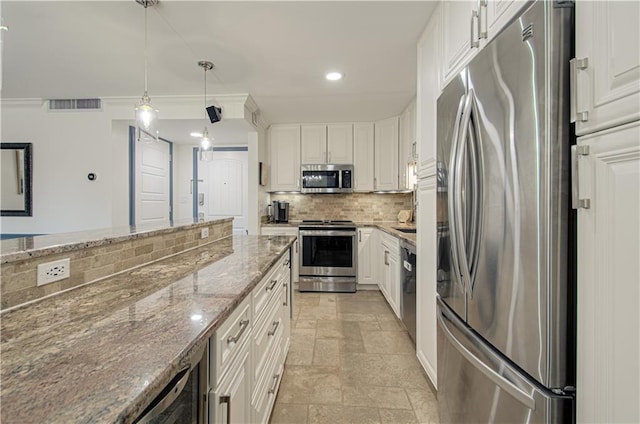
(16, 179)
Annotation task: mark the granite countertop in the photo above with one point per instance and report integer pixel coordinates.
(31, 247)
(102, 352)
(388, 227)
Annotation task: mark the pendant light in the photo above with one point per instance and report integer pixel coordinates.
(206, 143)
(146, 114)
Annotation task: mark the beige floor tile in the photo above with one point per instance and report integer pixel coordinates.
(397, 416)
(326, 352)
(337, 414)
(307, 384)
(355, 307)
(328, 299)
(376, 397)
(337, 329)
(396, 342)
(301, 347)
(357, 317)
(305, 324)
(424, 405)
(317, 312)
(369, 326)
(289, 413)
(382, 370)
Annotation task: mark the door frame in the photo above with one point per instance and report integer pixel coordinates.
(132, 174)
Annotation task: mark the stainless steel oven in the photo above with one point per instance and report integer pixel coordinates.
(328, 256)
(183, 400)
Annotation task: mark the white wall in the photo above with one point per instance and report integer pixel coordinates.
(67, 145)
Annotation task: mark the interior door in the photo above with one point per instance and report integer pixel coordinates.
(152, 182)
(224, 187)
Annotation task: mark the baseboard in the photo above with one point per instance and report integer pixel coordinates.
(428, 369)
(367, 287)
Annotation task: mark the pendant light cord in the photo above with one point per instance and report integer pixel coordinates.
(205, 93)
(146, 66)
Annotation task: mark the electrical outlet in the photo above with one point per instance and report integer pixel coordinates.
(53, 271)
(204, 233)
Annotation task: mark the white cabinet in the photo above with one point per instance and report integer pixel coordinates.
(327, 144)
(231, 400)
(295, 250)
(313, 144)
(340, 143)
(386, 154)
(363, 154)
(284, 153)
(496, 14)
(426, 237)
(366, 256)
(458, 45)
(389, 271)
(407, 146)
(608, 84)
(429, 77)
(608, 277)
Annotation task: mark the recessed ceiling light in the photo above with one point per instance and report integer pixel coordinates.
(196, 134)
(333, 76)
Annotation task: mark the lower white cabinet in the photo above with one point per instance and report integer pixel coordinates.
(389, 262)
(248, 351)
(426, 238)
(295, 252)
(366, 256)
(230, 402)
(608, 289)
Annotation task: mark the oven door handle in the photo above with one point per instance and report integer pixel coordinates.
(326, 233)
(166, 397)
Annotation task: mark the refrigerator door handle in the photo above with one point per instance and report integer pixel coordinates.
(491, 374)
(451, 194)
(477, 194)
(462, 144)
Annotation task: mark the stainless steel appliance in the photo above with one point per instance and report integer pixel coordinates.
(408, 280)
(328, 256)
(280, 211)
(505, 292)
(327, 178)
(184, 399)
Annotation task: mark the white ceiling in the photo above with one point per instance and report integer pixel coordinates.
(276, 51)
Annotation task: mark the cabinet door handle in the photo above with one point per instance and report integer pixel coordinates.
(227, 399)
(286, 298)
(575, 66)
(481, 33)
(243, 326)
(386, 257)
(360, 235)
(275, 327)
(272, 390)
(296, 246)
(273, 284)
(473, 42)
(286, 262)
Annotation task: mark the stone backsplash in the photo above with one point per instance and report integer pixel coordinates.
(355, 206)
(18, 278)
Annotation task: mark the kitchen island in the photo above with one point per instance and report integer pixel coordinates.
(101, 352)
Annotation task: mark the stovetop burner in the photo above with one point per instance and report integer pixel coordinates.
(311, 223)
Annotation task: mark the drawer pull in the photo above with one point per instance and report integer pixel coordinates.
(273, 389)
(286, 263)
(243, 326)
(285, 294)
(227, 399)
(275, 327)
(273, 284)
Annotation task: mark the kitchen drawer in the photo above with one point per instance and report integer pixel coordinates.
(267, 331)
(228, 339)
(266, 388)
(268, 287)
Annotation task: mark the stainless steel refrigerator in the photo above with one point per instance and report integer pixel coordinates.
(505, 297)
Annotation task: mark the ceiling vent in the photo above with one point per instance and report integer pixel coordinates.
(75, 104)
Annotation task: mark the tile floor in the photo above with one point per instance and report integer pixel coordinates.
(351, 361)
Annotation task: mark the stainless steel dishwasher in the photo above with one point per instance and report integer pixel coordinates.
(408, 279)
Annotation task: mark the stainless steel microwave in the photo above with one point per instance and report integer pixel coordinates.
(327, 178)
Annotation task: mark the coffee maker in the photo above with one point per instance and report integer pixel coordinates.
(280, 211)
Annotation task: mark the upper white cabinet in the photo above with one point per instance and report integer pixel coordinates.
(363, 154)
(496, 14)
(386, 154)
(608, 341)
(407, 145)
(340, 143)
(313, 144)
(284, 152)
(460, 35)
(429, 82)
(608, 76)
(327, 144)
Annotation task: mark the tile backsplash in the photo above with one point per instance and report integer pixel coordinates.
(355, 206)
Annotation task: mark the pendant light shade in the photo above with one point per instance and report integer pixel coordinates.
(146, 114)
(206, 143)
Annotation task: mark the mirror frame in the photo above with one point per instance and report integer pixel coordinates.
(28, 177)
